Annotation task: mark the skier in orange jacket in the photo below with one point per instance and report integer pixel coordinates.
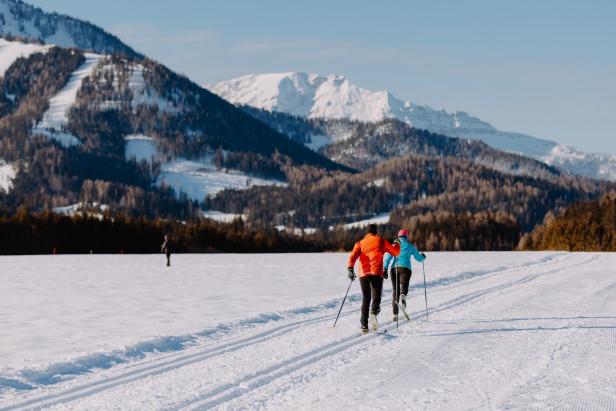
(370, 252)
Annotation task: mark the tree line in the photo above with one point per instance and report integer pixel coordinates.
(407, 186)
(584, 226)
(26, 232)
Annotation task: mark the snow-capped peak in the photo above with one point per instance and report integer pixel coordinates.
(307, 95)
(335, 97)
(23, 20)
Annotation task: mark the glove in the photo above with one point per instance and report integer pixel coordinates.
(385, 274)
(351, 273)
(423, 254)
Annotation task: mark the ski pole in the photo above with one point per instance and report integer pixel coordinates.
(397, 294)
(343, 300)
(425, 291)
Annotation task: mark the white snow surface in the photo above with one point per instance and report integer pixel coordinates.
(81, 208)
(17, 23)
(504, 331)
(143, 94)
(334, 97)
(199, 179)
(378, 219)
(221, 217)
(10, 51)
(140, 147)
(55, 119)
(7, 175)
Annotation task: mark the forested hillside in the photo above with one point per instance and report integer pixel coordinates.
(362, 145)
(408, 186)
(584, 226)
(61, 158)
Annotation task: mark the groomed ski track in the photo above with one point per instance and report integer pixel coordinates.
(537, 335)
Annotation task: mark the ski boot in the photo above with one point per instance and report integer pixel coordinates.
(403, 300)
(364, 330)
(373, 321)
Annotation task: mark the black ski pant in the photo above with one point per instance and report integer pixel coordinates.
(168, 254)
(371, 288)
(403, 286)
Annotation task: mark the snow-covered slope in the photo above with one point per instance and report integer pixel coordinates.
(7, 174)
(12, 50)
(197, 178)
(55, 119)
(335, 97)
(200, 178)
(23, 20)
(504, 331)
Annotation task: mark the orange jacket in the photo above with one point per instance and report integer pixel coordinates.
(370, 252)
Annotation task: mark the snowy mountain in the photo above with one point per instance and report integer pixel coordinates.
(19, 19)
(83, 127)
(335, 97)
(363, 145)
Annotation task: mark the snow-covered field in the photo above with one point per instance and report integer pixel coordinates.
(505, 331)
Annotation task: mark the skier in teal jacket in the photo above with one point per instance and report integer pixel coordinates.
(401, 269)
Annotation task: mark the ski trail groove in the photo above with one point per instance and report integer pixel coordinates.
(261, 378)
(249, 383)
(164, 365)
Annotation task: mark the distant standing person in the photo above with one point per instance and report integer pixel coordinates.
(370, 252)
(401, 269)
(166, 249)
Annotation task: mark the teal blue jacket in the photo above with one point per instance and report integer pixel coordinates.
(407, 250)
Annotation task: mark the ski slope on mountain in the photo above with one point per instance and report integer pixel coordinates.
(7, 174)
(505, 331)
(196, 178)
(199, 179)
(335, 97)
(55, 119)
(10, 51)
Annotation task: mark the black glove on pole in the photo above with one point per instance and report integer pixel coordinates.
(351, 275)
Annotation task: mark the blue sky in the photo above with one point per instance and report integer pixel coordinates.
(546, 68)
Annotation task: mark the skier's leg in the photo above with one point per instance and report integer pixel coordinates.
(168, 259)
(394, 291)
(405, 279)
(376, 282)
(364, 282)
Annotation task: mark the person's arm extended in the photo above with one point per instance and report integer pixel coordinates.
(388, 258)
(394, 250)
(354, 255)
(418, 256)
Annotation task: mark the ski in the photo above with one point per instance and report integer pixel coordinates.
(403, 309)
